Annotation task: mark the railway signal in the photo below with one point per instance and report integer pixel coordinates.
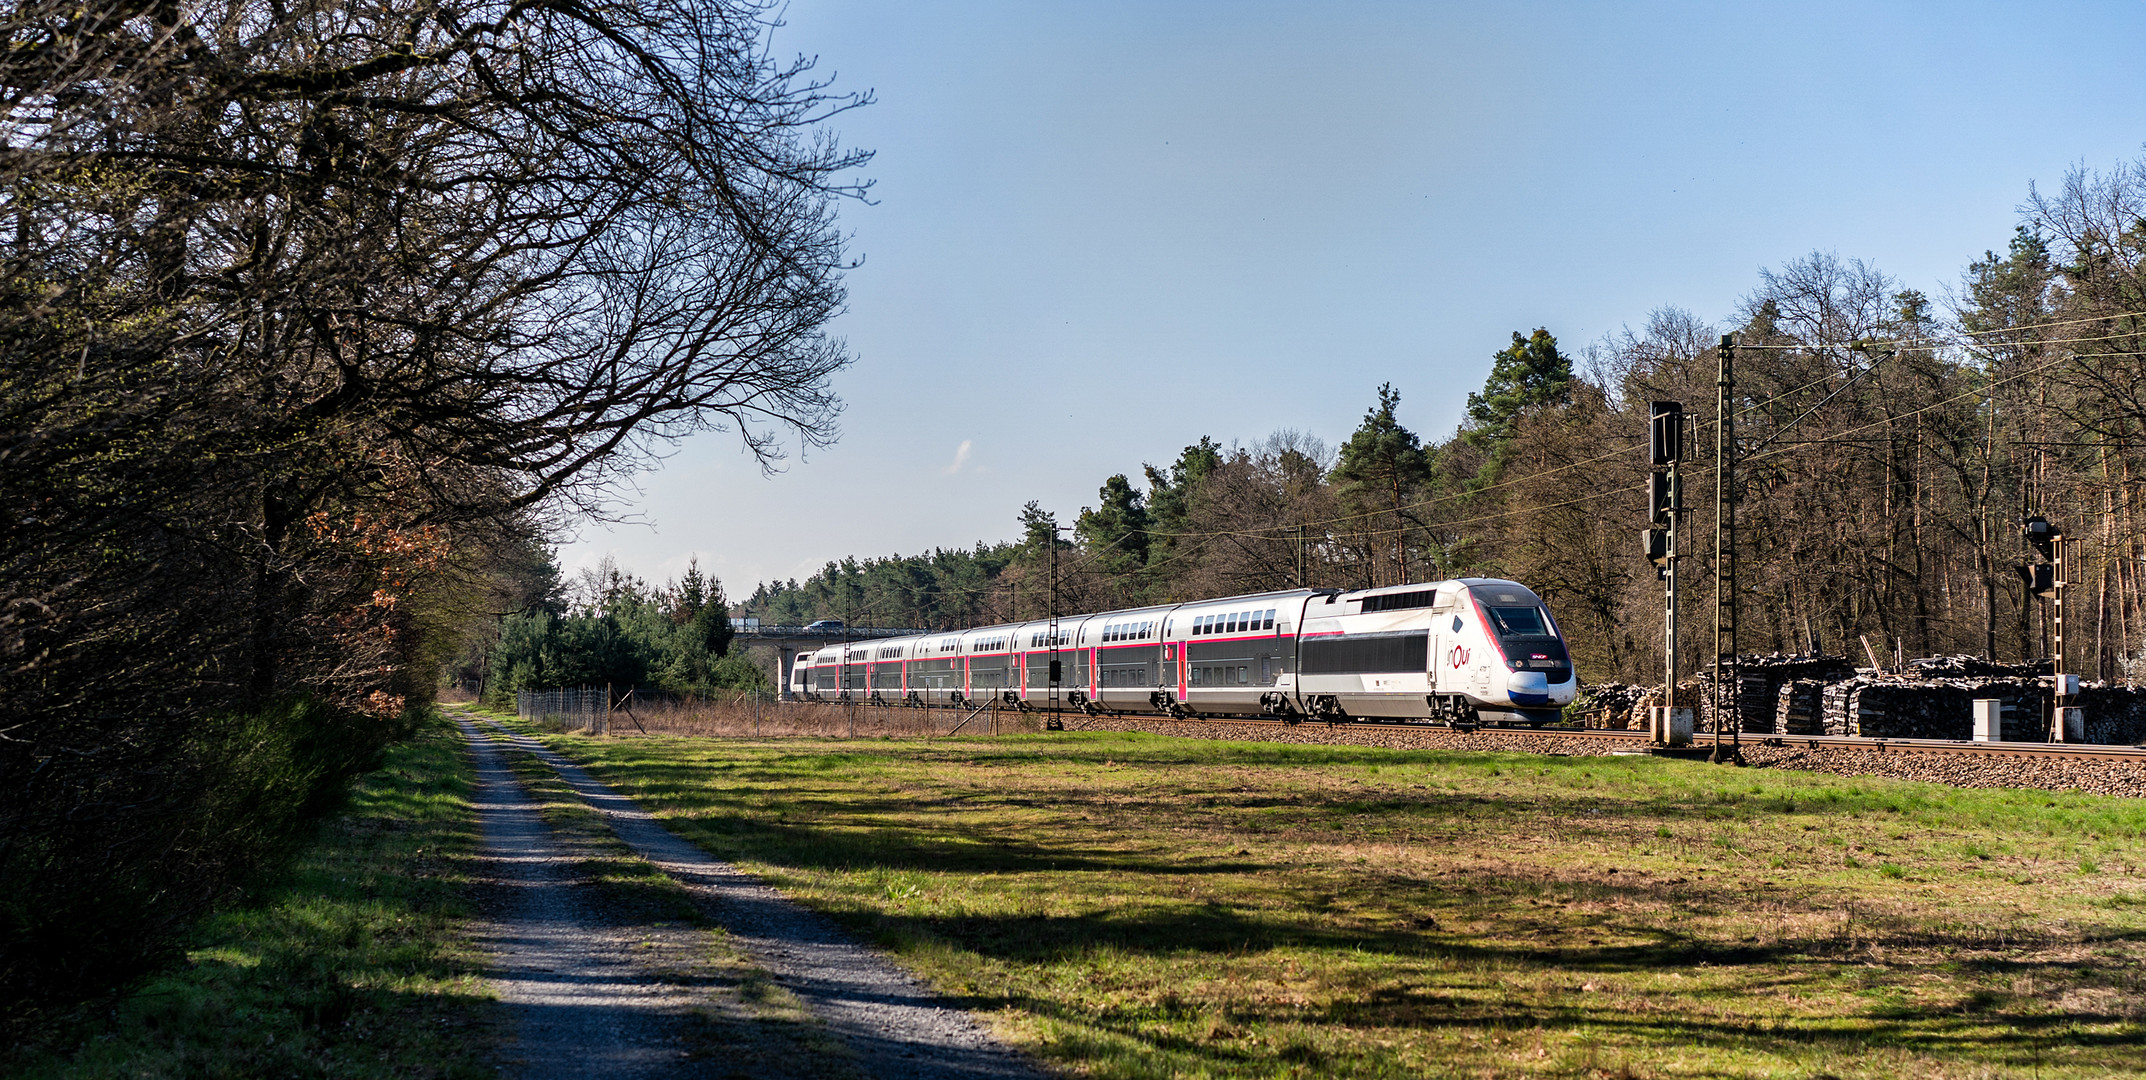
(1665, 505)
(2047, 580)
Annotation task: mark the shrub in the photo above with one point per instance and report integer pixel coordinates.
(93, 897)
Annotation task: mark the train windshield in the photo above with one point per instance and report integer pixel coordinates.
(1520, 622)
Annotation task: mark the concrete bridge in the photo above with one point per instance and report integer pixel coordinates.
(788, 641)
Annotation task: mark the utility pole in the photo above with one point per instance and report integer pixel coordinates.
(1665, 505)
(1726, 710)
(1057, 672)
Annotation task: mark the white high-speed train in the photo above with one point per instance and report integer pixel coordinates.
(1480, 650)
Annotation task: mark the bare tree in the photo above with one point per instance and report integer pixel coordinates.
(304, 306)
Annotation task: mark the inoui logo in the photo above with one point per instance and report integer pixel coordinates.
(1458, 657)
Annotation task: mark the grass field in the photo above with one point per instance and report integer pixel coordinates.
(350, 964)
(1133, 906)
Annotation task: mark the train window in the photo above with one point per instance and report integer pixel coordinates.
(1519, 622)
(1269, 625)
(1399, 601)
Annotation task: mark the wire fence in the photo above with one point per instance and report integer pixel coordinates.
(758, 714)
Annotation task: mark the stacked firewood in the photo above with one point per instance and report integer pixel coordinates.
(1800, 707)
(1975, 667)
(1932, 699)
(1609, 705)
(2115, 715)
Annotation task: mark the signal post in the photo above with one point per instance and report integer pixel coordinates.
(1668, 724)
(2067, 722)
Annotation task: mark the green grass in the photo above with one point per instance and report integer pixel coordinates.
(1132, 906)
(349, 965)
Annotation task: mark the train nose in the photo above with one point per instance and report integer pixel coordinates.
(1528, 688)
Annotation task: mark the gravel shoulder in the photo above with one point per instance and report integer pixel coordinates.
(2098, 777)
(888, 1022)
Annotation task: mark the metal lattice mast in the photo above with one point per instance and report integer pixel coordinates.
(1726, 709)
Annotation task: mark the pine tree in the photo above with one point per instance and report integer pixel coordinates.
(1384, 465)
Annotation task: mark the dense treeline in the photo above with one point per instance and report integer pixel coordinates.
(1892, 445)
(616, 630)
(313, 315)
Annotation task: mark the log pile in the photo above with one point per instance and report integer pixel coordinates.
(1610, 705)
(1759, 679)
(1890, 708)
(1933, 699)
(2115, 715)
(1974, 667)
(1800, 707)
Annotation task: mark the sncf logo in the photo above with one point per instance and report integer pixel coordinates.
(1458, 657)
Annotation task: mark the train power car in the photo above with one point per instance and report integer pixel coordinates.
(1467, 650)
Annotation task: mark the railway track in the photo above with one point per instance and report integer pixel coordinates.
(2105, 770)
(1704, 741)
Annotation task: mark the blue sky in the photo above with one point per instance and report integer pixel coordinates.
(1102, 230)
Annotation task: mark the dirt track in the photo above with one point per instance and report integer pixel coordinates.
(591, 999)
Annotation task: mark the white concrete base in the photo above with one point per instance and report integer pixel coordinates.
(1670, 726)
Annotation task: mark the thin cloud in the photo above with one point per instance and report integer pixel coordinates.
(961, 457)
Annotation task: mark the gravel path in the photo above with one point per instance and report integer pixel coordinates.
(584, 1004)
(896, 1027)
